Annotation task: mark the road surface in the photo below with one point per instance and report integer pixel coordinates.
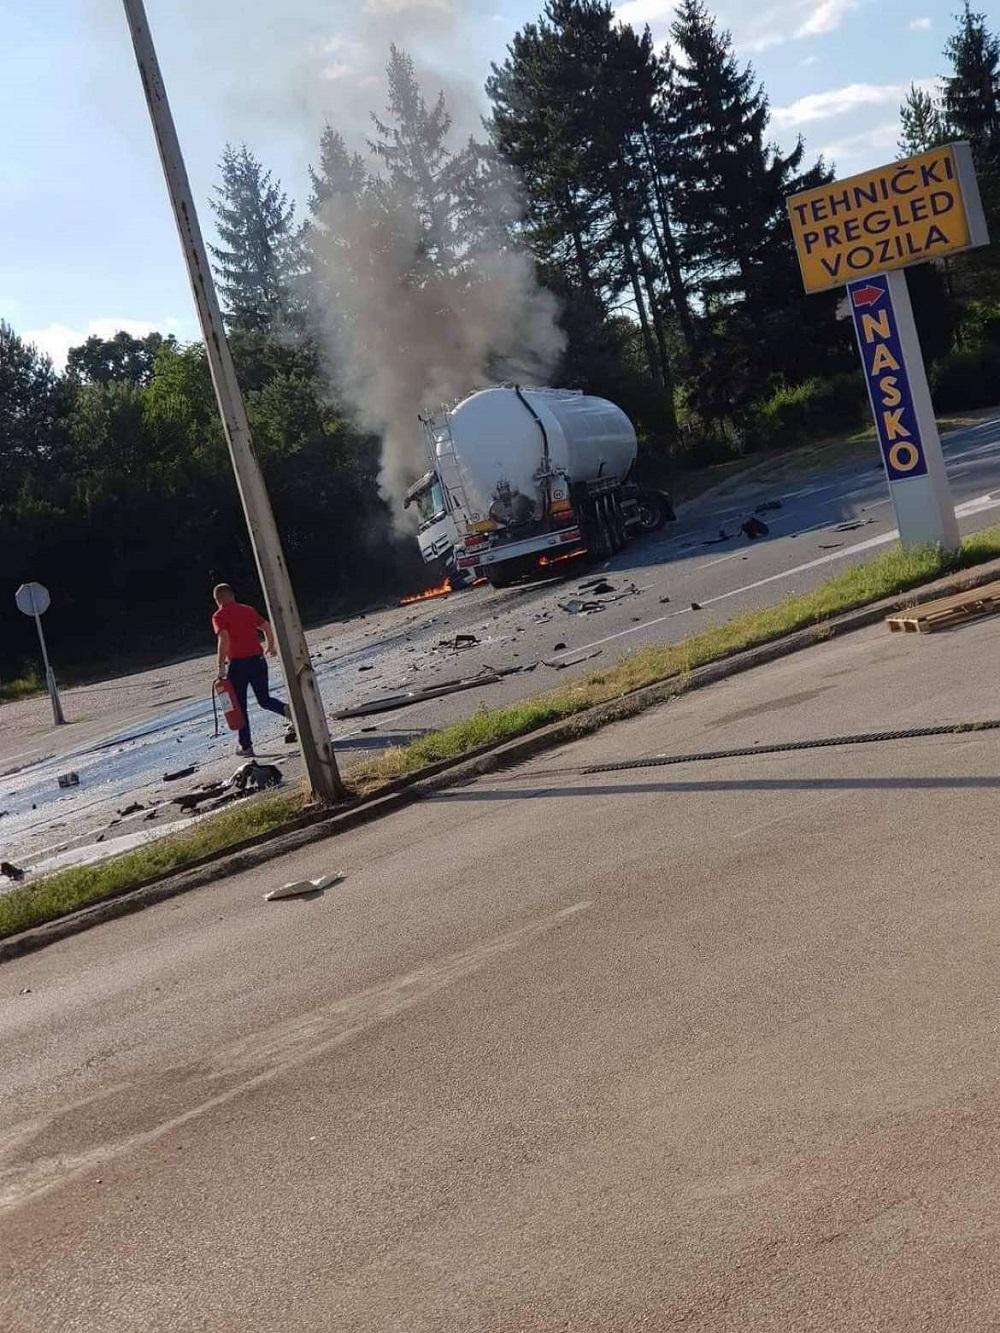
(705, 1048)
(127, 734)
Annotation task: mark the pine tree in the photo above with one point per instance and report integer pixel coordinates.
(972, 90)
(259, 263)
(732, 181)
(923, 123)
(421, 173)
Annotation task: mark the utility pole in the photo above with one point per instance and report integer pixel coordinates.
(303, 692)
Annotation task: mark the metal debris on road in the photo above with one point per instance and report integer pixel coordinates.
(180, 773)
(459, 643)
(696, 606)
(664, 601)
(68, 780)
(300, 888)
(767, 506)
(853, 526)
(576, 607)
(131, 810)
(388, 703)
(831, 546)
(754, 528)
(12, 872)
(572, 661)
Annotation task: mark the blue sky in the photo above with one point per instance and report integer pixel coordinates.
(86, 238)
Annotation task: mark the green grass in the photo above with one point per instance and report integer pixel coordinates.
(21, 688)
(892, 573)
(889, 574)
(68, 890)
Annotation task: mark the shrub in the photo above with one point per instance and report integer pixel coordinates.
(810, 411)
(968, 377)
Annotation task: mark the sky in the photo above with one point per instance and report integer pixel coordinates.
(87, 240)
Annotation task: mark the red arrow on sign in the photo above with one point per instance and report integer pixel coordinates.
(866, 295)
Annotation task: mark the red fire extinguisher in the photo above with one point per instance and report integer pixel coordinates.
(224, 697)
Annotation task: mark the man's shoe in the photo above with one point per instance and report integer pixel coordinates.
(245, 751)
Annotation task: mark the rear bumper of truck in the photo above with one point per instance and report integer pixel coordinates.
(495, 555)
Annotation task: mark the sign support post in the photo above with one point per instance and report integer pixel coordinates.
(904, 415)
(32, 599)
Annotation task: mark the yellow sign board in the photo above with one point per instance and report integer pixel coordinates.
(922, 208)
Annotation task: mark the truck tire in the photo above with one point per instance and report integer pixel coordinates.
(653, 511)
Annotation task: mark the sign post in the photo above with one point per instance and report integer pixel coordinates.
(33, 599)
(863, 232)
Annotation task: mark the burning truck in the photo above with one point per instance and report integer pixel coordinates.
(520, 478)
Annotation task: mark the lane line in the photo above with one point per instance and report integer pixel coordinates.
(979, 505)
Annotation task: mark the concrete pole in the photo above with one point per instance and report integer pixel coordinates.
(303, 693)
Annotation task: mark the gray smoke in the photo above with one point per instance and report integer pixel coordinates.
(400, 346)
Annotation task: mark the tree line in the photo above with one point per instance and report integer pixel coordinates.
(633, 196)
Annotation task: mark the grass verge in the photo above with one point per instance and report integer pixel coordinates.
(894, 572)
(68, 890)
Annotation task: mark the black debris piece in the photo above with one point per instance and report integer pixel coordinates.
(180, 773)
(12, 872)
(664, 601)
(559, 647)
(459, 642)
(572, 661)
(599, 589)
(131, 810)
(696, 606)
(367, 666)
(853, 526)
(754, 528)
(369, 728)
(576, 607)
(831, 546)
(152, 815)
(767, 506)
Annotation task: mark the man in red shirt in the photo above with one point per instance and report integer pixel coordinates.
(241, 657)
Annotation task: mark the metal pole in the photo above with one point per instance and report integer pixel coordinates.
(50, 679)
(303, 692)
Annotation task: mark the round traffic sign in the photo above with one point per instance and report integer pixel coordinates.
(33, 599)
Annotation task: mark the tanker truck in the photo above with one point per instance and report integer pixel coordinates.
(531, 475)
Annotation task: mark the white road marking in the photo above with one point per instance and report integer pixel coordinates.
(977, 506)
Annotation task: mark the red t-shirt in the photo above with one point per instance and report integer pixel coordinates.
(242, 622)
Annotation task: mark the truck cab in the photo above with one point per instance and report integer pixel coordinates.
(437, 531)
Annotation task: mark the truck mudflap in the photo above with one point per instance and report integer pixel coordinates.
(547, 541)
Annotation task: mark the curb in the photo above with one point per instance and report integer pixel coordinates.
(318, 826)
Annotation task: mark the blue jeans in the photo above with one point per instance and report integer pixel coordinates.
(246, 673)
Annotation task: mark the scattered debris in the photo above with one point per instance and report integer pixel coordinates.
(459, 643)
(290, 736)
(576, 607)
(152, 815)
(854, 525)
(3, 813)
(601, 587)
(25, 990)
(696, 606)
(130, 810)
(664, 601)
(388, 703)
(572, 661)
(192, 799)
(367, 666)
(831, 546)
(375, 728)
(301, 887)
(559, 648)
(256, 777)
(69, 780)
(12, 872)
(180, 773)
(754, 528)
(767, 506)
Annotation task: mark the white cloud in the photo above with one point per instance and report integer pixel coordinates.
(810, 60)
(407, 6)
(877, 140)
(838, 101)
(921, 25)
(56, 339)
(754, 28)
(825, 17)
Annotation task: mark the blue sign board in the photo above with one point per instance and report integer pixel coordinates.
(888, 383)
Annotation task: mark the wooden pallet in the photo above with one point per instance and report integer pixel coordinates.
(947, 612)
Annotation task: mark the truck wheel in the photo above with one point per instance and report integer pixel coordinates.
(652, 511)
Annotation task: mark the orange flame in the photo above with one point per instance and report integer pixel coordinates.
(545, 560)
(442, 590)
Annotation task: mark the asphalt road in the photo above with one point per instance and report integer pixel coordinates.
(710, 1047)
(824, 523)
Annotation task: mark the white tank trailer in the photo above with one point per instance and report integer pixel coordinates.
(532, 475)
